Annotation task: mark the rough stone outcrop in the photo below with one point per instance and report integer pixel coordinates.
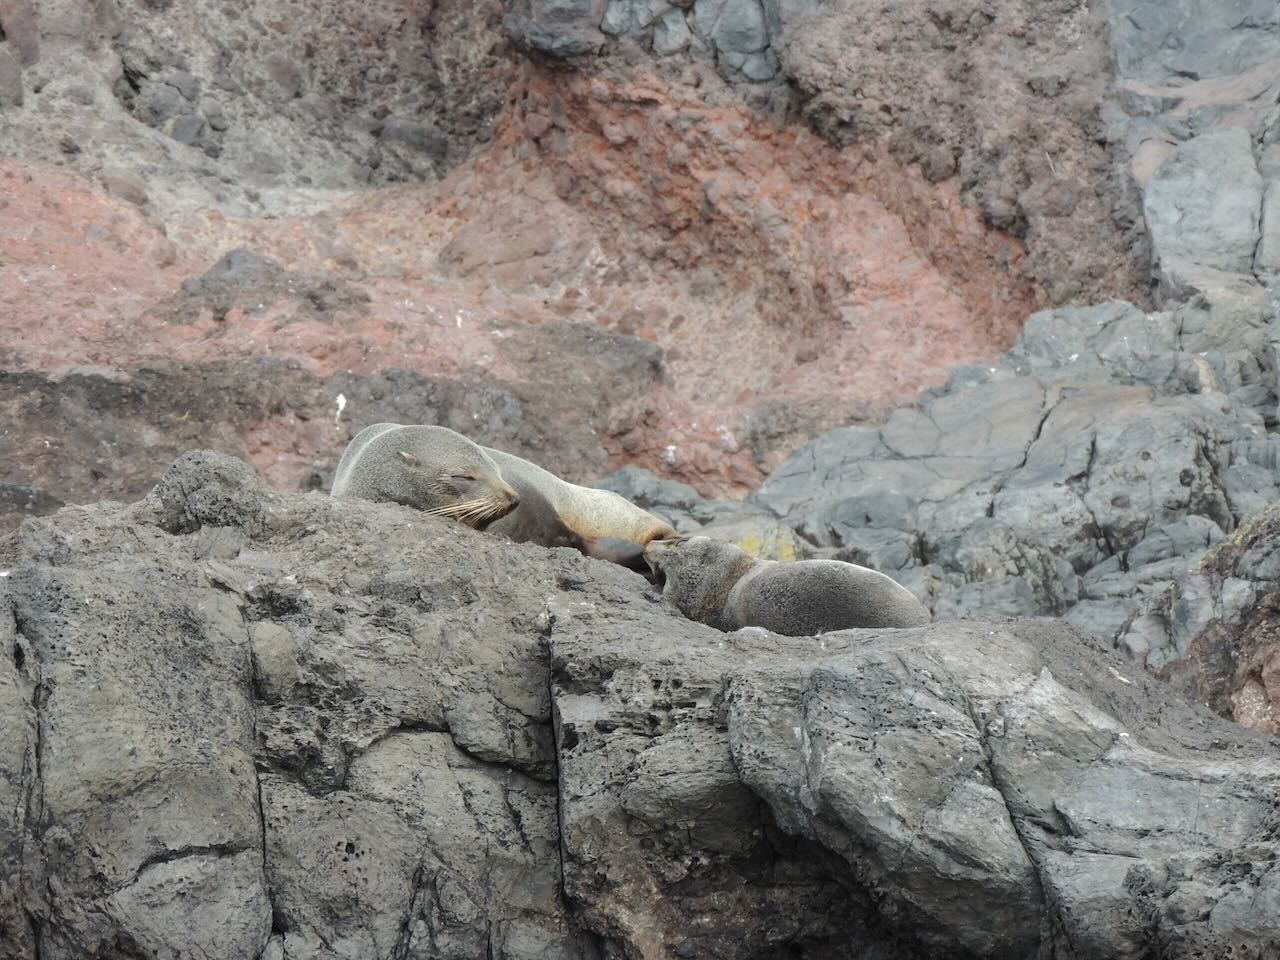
(331, 741)
(345, 730)
(1213, 630)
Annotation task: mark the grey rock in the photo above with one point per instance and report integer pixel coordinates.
(1188, 536)
(190, 826)
(1203, 204)
(419, 136)
(1154, 40)
(1211, 631)
(1145, 634)
(633, 16)
(214, 114)
(759, 67)
(10, 78)
(671, 33)
(185, 84)
(954, 768)
(784, 15)
(1267, 261)
(187, 128)
(345, 729)
(731, 26)
(248, 759)
(744, 523)
(1091, 465)
(559, 28)
(126, 185)
(1114, 342)
(1222, 311)
(161, 102)
(21, 29)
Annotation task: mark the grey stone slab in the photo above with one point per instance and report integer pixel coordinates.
(1204, 202)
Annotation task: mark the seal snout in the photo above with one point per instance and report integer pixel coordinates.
(511, 496)
(653, 556)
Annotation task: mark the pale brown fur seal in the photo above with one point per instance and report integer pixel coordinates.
(536, 521)
(592, 514)
(433, 469)
(717, 583)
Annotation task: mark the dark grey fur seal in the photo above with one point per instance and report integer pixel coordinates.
(717, 583)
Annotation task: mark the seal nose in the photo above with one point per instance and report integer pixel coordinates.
(513, 498)
(653, 550)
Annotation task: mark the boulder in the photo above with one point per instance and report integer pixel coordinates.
(244, 724)
(1204, 202)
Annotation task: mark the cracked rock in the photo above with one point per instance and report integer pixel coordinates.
(346, 729)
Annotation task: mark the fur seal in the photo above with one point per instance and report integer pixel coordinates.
(596, 515)
(445, 474)
(433, 469)
(536, 521)
(717, 583)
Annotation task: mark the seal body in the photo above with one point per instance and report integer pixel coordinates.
(534, 520)
(719, 584)
(445, 474)
(596, 515)
(430, 468)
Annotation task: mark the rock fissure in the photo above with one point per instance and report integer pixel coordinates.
(1002, 790)
(404, 942)
(562, 889)
(213, 850)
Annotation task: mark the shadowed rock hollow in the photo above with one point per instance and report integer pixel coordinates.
(341, 729)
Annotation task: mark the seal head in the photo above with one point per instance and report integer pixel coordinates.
(432, 469)
(697, 574)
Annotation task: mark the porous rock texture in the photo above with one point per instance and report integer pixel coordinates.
(244, 724)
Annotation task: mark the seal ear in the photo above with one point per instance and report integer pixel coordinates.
(408, 458)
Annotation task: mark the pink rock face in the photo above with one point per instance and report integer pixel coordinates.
(1269, 720)
(78, 270)
(790, 286)
(1251, 707)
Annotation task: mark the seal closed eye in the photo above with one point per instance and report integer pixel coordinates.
(432, 469)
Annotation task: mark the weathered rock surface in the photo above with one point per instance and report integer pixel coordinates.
(345, 751)
(342, 729)
(1053, 482)
(1212, 630)
(674, 197)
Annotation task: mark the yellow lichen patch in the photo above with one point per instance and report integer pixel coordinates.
(768, 542)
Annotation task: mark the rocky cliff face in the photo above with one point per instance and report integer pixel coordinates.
(683, 237)
(243, 724)
(981, 295)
